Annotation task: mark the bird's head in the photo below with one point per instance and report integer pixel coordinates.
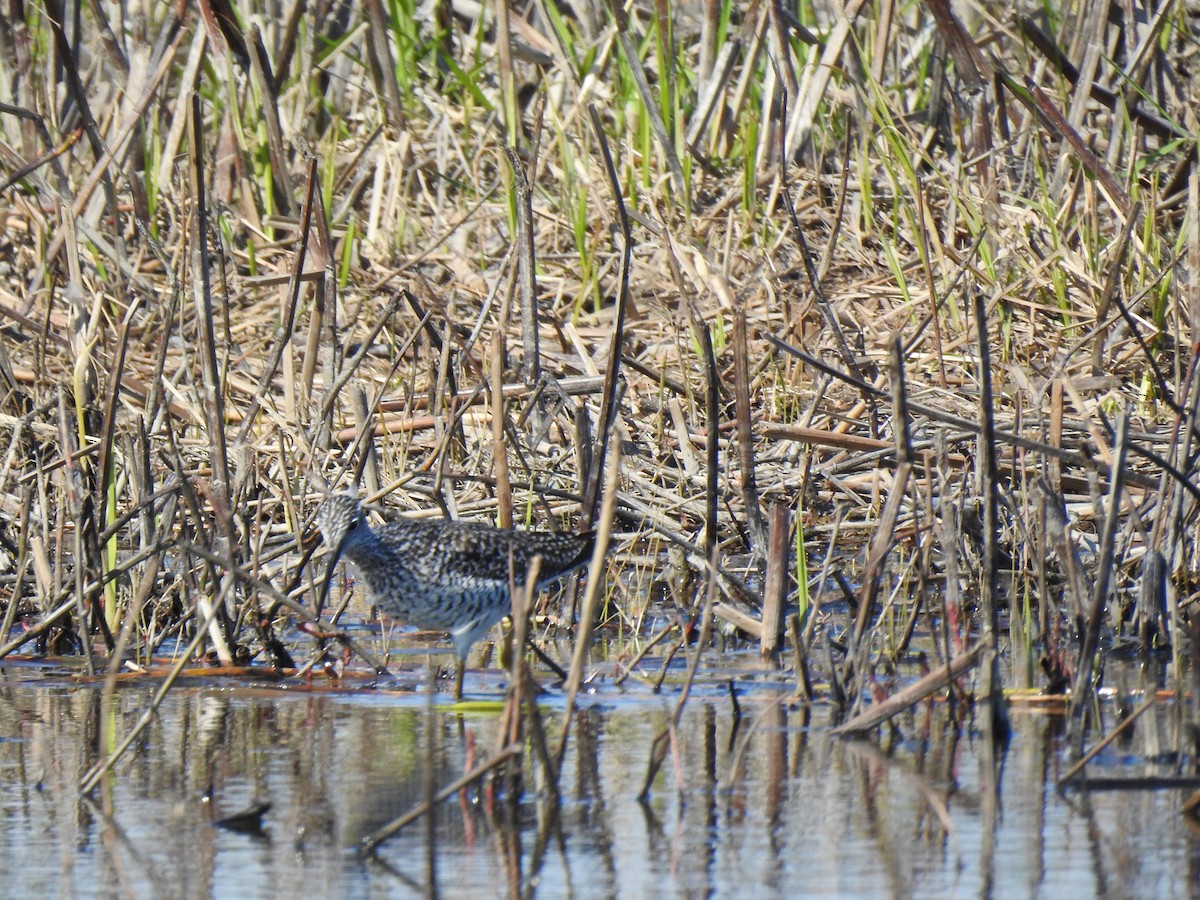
(343, 524)
(340, 519)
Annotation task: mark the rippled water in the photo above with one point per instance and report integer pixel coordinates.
(770, 805)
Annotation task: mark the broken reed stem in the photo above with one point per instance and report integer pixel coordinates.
(21, 566)
(511, 732)
(214, 402)
(367, 468)
(549, 771)
(323, 319)
(108, 432)
(522, 605)
(214, 406)
(706, 618)
(775, 587)
(1169, 528)
(133, 613)
(804, 687)
(508, 90)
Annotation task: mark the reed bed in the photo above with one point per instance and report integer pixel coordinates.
(859, 331)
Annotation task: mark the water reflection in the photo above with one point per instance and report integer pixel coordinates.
(765, 805)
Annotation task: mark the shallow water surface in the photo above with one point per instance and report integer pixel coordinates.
(768, 805)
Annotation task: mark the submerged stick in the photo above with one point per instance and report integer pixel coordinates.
(373, 840)
(1109, 738)
(913, 694)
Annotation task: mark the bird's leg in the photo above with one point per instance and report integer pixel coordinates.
(505, 645)
(459, 669)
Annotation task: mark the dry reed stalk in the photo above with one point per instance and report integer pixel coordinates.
(383, 66)
(628, 668)
(991, 687)
(531, 358)
(264, 83)
(1069, 457)
(884, 538)
(712, 467)
(521, 690)
(715, 81)
(368, 465)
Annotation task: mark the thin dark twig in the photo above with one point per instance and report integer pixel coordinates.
(1081, 690)
(608, 398)
(712, 442)
(991, 687)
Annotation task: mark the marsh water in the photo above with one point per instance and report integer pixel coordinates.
(762, 804)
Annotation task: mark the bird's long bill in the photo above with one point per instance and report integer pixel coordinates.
(329, 569)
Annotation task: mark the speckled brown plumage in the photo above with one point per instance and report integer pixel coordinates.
(444, 575)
